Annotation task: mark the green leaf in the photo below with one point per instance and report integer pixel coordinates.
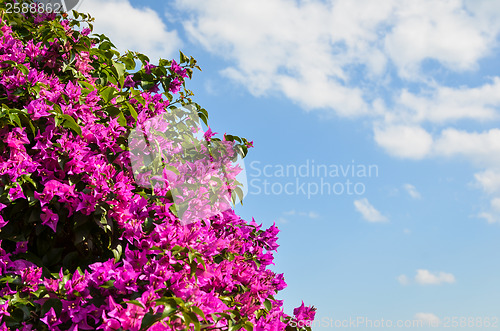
(87, 85)
(268, 304)
(194, 319)
(107, 93)
(69, 259)
(135, 302)
(187, 319)
(199, 312)
(248, 326)
(200, 261)
(120, 70)
(143, 58)
(52, 257)
(69, 122)
(183, 57)
(23, 69)
(117, 252)
(12, 63)
(150, 319)
(129, 61)
(121, 119)
(140, 99)
(239, 193)
(14, 118)
(178, 249)
(108, 284)
(204, 117)
(132, 110)
(112, 111)
(173, 169)
(17, 299)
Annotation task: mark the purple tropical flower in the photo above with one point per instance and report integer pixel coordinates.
(304, 313)
(209, 134)
(178, 69)
(51, 320)
(3, 309)
(16, 193)
(175, 85)
(49, 218)
(21, 247)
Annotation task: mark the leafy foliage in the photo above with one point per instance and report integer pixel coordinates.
(83, 245)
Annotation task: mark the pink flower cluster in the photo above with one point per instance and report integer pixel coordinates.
(68, 165)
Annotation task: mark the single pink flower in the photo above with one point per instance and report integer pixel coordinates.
(49, 218)
(209, 134)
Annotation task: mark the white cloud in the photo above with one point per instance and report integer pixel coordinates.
(483, 148)
(488, 180)
(134, 29)
(440, 30)
(403, 279)
(411, 142)
(301, 50)
(488, 217)
(282, 220)
(309, 214)
(495, 204)
(441, 104)
(414, 142)
(368, 58)
(312, 51)
(428, 318)
(425, 277)
(492, 216)
(369, 212)
(313, 215)
(412, 191)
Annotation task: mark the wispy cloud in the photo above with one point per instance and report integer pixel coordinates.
(282, 220)
(425, 277)
(302, 214)
(404, 141)
(488, 180)
(403, 280)
(428, 318)
(310, 214)
(369, 212)
(412, 191)
(135, 29)
(493, 216)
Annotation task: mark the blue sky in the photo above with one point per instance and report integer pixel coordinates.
(411, 88)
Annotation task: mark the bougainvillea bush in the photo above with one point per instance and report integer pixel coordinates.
(87, 242)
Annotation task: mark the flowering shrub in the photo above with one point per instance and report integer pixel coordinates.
(87, 242)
